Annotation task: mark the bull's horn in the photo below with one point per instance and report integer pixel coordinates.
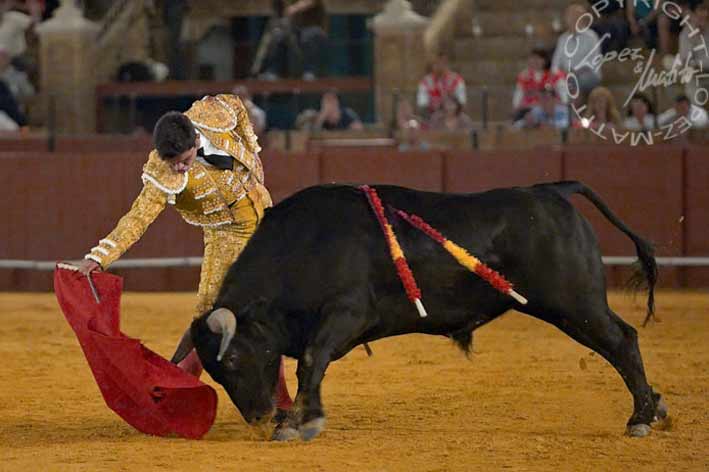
(222, 321)
(184, 348)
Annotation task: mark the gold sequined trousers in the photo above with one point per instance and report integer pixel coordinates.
(222, 245)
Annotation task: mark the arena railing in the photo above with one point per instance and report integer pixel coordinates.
(174, 262)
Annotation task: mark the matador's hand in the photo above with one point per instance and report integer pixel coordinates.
(87, 266)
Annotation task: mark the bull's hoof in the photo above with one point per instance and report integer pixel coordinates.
(638, 430)
(285, 433)
(312, 428)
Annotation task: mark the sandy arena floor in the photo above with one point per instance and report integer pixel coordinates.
(529, 399)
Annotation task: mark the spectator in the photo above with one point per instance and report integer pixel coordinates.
(532, 81)
(410, 138)
(641, 115)
(602, 111)
(437, 85)
(256, 114)
(333, 116)
(548, 113)
(306, 119)
(693, 48)
(298, 27)
(649, 22)
(146, 70)
(11, 117)
(611, 21)
(451, 117)
(695, 115)
(405, 113)
(16, 81)
(173, 13)
(13, 27)
(575, 51)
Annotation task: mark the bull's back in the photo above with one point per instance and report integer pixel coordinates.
(325, 240)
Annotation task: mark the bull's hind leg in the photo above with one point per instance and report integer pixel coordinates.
(606, 333)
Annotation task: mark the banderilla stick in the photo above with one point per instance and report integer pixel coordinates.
(368, 349)
(93, 288)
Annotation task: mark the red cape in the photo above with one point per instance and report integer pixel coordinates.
(147, 391)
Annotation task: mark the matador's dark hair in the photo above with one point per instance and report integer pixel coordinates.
(173, 135)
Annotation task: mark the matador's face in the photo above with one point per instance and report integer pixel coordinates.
(183, 162)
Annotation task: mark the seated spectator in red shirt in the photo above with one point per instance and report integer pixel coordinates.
(333, 116)
(532, 81)
(451, 117)
(437, 85)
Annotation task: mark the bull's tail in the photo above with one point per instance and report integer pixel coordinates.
(647, 267)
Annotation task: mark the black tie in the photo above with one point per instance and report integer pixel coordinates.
(217, 160)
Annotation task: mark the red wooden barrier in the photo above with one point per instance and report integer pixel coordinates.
(643, 186)
(696, 215)
(419, 170)
(58, 205)
(286, 173)
(477, 171)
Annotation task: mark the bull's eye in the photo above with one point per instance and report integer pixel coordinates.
(229, 362)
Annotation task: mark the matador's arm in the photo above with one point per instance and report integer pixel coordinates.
(147, 206)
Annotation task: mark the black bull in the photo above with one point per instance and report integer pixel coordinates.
(316, 280)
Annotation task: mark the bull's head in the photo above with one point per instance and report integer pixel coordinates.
(243, 360)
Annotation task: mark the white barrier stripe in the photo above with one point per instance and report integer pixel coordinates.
(121, 264)
(158, 262)
(661, 261)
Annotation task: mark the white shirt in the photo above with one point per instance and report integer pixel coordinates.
(697, 117)
(12, 32)
(577, 54)
(207, 146)
(694, 47)
(631, 123)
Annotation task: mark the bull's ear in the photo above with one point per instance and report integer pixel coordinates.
(254, 310)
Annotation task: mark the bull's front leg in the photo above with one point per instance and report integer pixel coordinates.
(335, 336)
(306, 418)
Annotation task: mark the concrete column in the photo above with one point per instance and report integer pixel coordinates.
(399, 55)
(67, 75)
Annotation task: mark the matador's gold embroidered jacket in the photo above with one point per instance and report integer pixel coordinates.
(204, 194)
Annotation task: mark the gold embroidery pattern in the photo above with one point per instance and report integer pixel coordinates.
(222, 246)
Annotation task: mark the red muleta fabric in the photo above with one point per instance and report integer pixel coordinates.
(147, 391)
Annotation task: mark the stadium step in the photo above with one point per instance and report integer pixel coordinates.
(486, 72)
(491, 47)
(487, 5)
(516, 22)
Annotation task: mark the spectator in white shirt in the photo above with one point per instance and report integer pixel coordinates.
(641, 116)
(694, 48)
(13, 25)
(695, 115)
(578, 52)
(256, 114)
